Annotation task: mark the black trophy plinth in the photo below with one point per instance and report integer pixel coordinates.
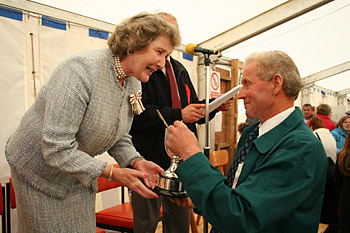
(169, 184)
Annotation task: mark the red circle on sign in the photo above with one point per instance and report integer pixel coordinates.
(214, 81)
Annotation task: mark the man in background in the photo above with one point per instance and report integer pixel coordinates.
(324, 111)
(307, 111)
(178, 103)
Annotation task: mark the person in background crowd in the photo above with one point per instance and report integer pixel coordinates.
(313, 111)
(323, 134)
(342, 130)
(307, 111)
(148, 133)
(324, 111)
(277, 180)
(330, 200)
(342, 181)
(84, 110)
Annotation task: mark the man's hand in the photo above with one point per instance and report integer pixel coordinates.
(184, 202)
(225, 106)
(193, 113)
(181, 141)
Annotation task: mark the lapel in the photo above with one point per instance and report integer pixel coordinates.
(263, 144)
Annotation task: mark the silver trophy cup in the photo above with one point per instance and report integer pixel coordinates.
(168, 183)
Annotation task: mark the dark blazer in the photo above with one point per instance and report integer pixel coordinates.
(343, 189)
(147, 129)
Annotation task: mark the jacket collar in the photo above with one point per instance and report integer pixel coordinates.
(274, 135)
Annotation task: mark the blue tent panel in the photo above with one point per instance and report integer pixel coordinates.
(54, 23)
(11, 13)
(98, 34)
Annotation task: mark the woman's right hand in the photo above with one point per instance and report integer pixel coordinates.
(130, 178)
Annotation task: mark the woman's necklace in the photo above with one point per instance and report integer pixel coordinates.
(135, 99)
(121, 76)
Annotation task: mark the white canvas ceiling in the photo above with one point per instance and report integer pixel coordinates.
(316, 40)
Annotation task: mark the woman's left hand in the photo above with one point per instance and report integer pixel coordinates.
(151, 169)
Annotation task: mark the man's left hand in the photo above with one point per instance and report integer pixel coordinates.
(184, 202)
(225, 106)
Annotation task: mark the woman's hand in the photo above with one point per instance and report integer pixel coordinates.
(130, 178)
(151, 169)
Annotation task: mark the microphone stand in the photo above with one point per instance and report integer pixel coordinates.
(206, 146)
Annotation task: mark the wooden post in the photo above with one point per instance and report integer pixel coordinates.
(227, 138)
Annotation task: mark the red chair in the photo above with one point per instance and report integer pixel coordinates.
(10, 202)
(118, 217)
(13, 204)
(12, 196)
(99, 230)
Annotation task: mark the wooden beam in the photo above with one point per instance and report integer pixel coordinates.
(262, 23)
(311, 79)
(343, 92)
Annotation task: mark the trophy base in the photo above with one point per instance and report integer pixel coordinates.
(168, 193)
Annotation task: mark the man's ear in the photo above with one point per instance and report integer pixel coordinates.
(277, 83)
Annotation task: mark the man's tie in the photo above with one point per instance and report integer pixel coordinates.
(175, 100)
(240, 158)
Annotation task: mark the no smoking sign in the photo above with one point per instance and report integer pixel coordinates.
(214, 84)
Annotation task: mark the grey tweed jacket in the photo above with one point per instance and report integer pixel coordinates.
(81, 112)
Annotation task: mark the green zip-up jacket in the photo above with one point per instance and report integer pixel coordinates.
(280, 189)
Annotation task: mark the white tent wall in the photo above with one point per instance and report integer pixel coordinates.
(29, 54)
(12, 85)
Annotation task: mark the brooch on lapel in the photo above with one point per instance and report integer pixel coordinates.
(136, 104)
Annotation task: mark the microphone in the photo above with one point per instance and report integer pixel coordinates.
(192, 48)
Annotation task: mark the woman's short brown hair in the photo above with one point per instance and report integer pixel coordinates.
(316, 123)
(139, 31)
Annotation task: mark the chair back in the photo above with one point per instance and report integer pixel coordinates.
(118, 217)
(12, 196)
(104, 184)
(219, 159)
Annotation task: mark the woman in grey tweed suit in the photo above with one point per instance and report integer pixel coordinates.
(84, 110)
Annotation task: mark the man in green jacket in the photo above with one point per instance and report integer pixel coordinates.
(279, 187)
